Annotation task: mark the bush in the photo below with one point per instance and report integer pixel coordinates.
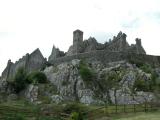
(20, 82)
(138, 63)
(76, 116)
(74, 107)
(141, 85)
(146, 68)
(36, 77)
(85, 72)
(49, 118)
(75, 110)
(21, 79)
(71, 107)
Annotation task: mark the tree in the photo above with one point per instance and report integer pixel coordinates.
(20, 82)
(36, 77)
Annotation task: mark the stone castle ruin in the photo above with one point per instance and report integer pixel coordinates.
(118, 43)
(113, 50)
(29, 62)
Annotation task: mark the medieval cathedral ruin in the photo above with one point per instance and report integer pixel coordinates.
(113, 50)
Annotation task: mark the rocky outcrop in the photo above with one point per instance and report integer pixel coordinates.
(71, 86)
(66, 78)
(31, 93)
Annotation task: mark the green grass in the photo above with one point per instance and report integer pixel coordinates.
(9, 110)
(122, 111)
(141, 116)
(31, 112)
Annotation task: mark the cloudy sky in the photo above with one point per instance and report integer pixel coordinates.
(29, 24)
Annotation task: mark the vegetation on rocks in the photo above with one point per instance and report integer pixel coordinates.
(85, 72)
(147, 85)
(110, 80)
(37, 77)
(75, 110)
(22, 79)
(19, 82)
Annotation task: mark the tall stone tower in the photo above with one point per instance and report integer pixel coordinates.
(138, 42)
(139, 47)
(77, 41)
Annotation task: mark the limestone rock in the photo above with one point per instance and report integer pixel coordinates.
(3, 85)
(31, 93)
(71, 87)
(56, 98)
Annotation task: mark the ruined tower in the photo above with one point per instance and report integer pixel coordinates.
(123, 44)
(77, 41)
(138, 41)
(139, 47)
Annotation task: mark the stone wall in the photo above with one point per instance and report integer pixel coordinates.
(29, 62)
(36, 61)
(109, 56)
(56, 53)
(117, 44)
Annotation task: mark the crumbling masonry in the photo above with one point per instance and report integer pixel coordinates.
(113, 50)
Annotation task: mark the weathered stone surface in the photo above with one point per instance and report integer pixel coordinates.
(86, 96)
(56, 98)
(71, 86)
(56, 53)
(64, 74)
(118, 44)
(66, 78)
(3, 85)
(123, 94)
(30, 62)
(31, 93)
(137, 48)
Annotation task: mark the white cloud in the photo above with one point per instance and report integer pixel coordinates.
(26, 25)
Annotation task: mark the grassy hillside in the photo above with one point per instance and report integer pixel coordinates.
(141, 116)
(22, 110)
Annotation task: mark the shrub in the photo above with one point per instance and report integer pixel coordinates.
(76, 116)
(146, 68)
(141, 85)
(75, 110)
(74, 107)
(21, 79)
(49, 118)
(138, 63)
(20, 82)
(71, 107)
(85, 72)
(36, 77)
